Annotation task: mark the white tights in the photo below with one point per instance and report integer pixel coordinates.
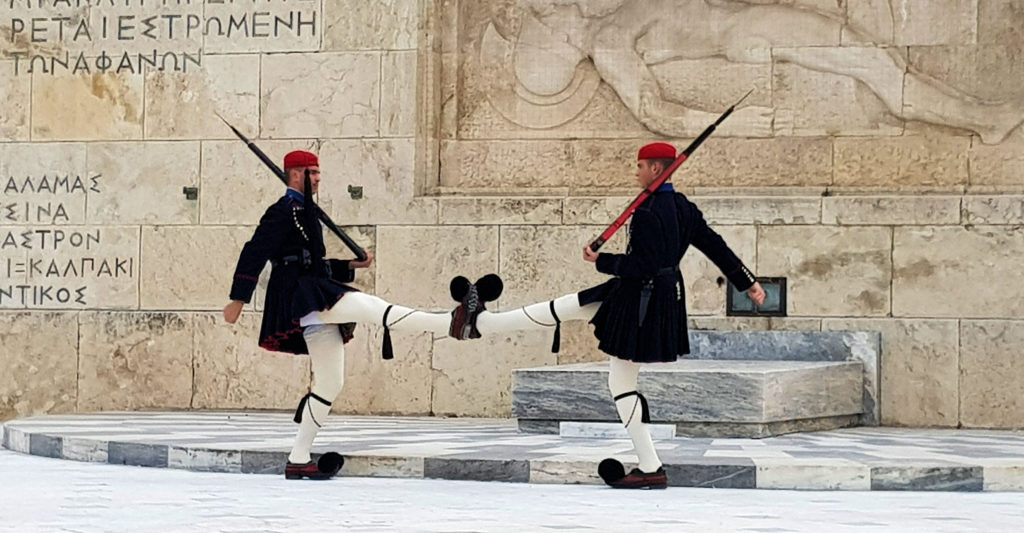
(622, 374)
(327, 354)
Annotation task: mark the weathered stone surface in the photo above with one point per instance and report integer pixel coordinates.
(475, 378)
(761, 323)
(919, 369)
(578, 344)
(189, 281)
(1000, 21)
(323, 95)
(850, 108)
(992, 73)
(134, 361)
(237, 188)
(1000, 164)
(901, 162)
(934, 22)
(87, 107)
(598, 211)
(233, 372)
(829, 271)
(387, 25)
(765, 162)
(181, 105)
(383, 169)
(991, 374)
(993, 210)
(957, 272)
(366, 238)
(15, 96)
(715, 83)
(759, 209)
(398, 115)
(376, 386)
(810, 473)
(415, 265)
(45, 183)
(704, 295)
(483, 210)
(143, 182)
(869, 22)
(40, 362)
(89, 268)
(511, 164)
(890, 210)
(300, 31)
(530, 255)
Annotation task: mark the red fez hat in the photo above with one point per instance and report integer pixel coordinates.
(657, 151)
(300, 158)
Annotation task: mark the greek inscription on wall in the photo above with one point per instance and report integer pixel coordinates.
(132, 36)
(45, 260)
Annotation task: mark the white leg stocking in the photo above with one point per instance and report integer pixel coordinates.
(369, 309)
(535, 316)
(327, 356)
(622, 379)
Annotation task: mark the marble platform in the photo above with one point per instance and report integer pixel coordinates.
(862, 458)
(734, 384)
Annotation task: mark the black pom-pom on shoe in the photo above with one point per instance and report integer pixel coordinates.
(611, 470)
(489, 287)
(459, 286)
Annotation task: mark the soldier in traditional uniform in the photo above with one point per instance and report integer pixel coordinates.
(308, 307)
(639, 315)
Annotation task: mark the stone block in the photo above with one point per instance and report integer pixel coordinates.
(383, 169)
(200, 460)
(143, 183)
(399, 75)
(760, 323)
(484, 210)
(903, 162)
(295, 88)
(15, 98)
(40, 361)
(811, 473)
(387, 25)
(540, 263)
(276, 27)
(991, 374)
(918, 369)
(971, 265)
(921, 478)
(703, 292)
(829, 271)
(134, 361)
(764, 210)
(935, 22)
(237, 188)
(377, 386)
(869, 22)
(715, 83)
(688, 391)
(765, 163)
(381, 466)
(993, 209)
(475, 378)
(1000, 21)
(416, 264)
(580, 210)
(851, 108)
(890, 210)
(85, 267)
(990, 73)
(999, 165)
(199, 276)
(84, 107)
(231, 371)
(181, 105)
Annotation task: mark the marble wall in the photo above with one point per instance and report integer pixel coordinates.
(877, 166)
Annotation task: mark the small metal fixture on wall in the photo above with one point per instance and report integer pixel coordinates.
(739, 304)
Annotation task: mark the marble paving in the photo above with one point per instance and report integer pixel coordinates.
(865, 458)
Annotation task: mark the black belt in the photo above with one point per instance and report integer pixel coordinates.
(303, 259)
(645, 292)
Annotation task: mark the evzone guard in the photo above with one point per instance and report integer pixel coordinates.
(639, 315)
(309, 307)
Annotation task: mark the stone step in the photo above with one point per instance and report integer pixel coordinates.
(700, 397)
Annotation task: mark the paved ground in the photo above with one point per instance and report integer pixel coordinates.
(492, 450)
(51, 495)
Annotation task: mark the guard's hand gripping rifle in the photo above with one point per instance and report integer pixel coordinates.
(356, 249)
(649, 190)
